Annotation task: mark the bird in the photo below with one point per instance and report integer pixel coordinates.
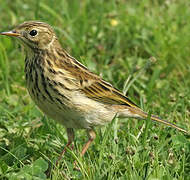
(66, 90)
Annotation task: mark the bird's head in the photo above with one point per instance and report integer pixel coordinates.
(33, 34)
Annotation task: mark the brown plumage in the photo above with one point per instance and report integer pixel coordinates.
(67, 91)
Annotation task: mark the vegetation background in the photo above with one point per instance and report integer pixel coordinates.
(143, 49)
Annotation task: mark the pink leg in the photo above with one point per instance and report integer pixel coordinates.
(92, 136)
(70, 135)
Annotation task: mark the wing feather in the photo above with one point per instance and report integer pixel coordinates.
(105, 93)
(93, 86)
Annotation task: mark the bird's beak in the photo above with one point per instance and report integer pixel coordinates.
(10, 33)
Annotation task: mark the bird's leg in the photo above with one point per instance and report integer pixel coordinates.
(70, 135)
(92, 136)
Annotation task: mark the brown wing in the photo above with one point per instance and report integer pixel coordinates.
(93, 86)
(102, 91)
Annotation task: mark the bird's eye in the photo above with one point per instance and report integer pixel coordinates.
(33, 32)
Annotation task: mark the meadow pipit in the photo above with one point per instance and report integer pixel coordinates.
(67, 91)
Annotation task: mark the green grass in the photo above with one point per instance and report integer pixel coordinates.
(115, 39)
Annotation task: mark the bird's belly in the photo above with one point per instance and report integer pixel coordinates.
(80, 112)
(64, 103)
(68, 118)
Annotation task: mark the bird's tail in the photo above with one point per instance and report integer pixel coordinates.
(144, 115)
